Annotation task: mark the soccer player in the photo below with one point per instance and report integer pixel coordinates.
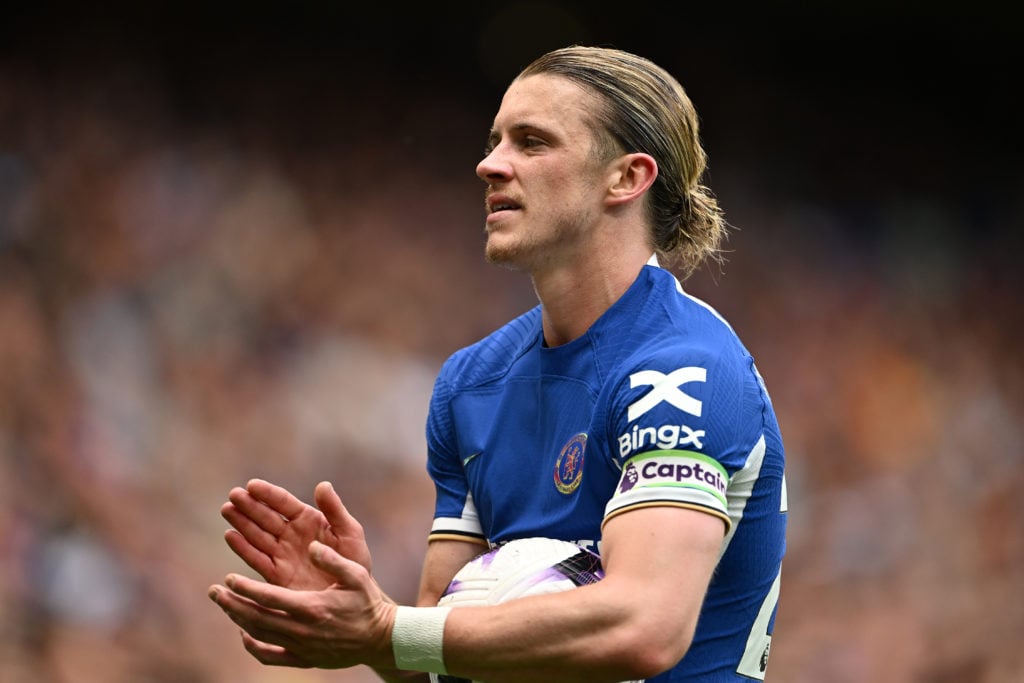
(621, 413)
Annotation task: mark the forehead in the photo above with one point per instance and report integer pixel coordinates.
(547, 102)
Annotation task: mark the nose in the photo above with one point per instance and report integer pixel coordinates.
(494, 167)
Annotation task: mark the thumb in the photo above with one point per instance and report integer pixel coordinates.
(329, 503)
(345, 571)
(349, 538)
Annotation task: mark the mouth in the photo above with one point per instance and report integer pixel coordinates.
(497, 203)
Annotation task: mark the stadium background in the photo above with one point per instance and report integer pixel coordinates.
(239, 242)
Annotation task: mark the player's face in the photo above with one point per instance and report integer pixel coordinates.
(544, 184)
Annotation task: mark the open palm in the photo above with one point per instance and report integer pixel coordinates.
(272, 531)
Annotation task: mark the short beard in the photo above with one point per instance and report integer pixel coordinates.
(505, 258)
(531, 256)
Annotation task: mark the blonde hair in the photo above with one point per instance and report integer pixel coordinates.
(647, 110)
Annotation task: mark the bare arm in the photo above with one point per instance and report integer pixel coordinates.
(635, 623)
(442, 561)
(272, 531)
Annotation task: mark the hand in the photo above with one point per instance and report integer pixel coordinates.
(273, 530)
(347, 624)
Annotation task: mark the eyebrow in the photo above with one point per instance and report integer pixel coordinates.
(493, 136)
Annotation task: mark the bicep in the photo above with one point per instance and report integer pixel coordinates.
(664, 556)
(443, 559)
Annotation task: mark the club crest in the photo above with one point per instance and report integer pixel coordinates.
(569, 465)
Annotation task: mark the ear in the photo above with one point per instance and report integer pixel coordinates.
(631, 176)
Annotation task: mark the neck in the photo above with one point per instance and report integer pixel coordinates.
(575, 295)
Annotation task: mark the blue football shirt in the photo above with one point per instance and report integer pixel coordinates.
(659, 403)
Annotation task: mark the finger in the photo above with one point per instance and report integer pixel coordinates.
(250, 554)
(266, 625)
(262, 595)
(272, 655)
(276, 498)
(252, 520)
(246, 508)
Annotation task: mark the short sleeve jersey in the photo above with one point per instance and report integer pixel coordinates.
(659, 403)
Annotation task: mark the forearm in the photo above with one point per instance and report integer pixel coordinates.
(395, 675)
(635, 623)
(442, 561)
(589, 634)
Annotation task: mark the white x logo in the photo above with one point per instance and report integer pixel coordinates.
(666, 388)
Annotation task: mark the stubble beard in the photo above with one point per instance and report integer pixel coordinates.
(508, 256)
(532, 252)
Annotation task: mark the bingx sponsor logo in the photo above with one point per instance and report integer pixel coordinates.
(665, 388)
(666, 437)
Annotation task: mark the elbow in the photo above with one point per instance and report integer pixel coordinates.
(648, 662)
(651, 649)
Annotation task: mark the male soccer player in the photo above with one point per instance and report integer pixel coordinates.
(620, 413)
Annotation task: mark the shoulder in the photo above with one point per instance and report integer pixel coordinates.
(490, 358)
(684, 365)
(679, 328)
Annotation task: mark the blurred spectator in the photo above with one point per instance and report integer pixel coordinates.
(186, 303)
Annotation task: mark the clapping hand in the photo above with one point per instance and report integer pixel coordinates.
(272, 532)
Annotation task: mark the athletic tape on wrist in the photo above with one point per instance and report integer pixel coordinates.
(417, 638)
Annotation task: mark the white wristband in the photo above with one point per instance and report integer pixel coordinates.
(417, 638)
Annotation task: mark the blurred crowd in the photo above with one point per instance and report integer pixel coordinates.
(185, 305)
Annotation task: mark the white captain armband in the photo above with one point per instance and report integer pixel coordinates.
(417, 638)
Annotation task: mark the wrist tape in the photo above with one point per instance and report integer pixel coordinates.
(417, 638)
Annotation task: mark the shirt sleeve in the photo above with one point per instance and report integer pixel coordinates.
(455, 515)
(679, 426)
